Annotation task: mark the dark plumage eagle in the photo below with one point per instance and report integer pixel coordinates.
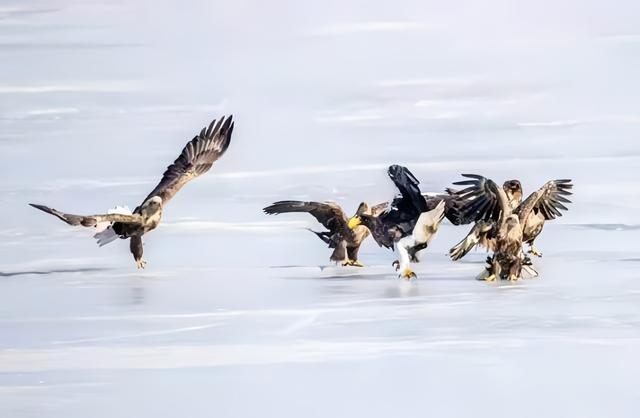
(504, 222)
(410, 222)
(196, 158)
(344, 240)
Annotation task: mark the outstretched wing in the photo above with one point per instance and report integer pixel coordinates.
(90, 220)
(408, 185)
(196, 158)
(483, 199)
(329, 214)
(548, 200)
(483, 234)
(452, 206)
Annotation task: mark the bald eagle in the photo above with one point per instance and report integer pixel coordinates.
(196, 158)
(410, 222)
(504, 222)
(344, 241)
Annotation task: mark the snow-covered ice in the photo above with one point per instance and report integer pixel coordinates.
(238, 314)
(266, 331)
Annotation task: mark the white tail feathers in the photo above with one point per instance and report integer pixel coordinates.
(106, 236)
(105, 233)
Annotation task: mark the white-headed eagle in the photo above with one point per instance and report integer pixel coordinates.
(196, 158)
(411, 220)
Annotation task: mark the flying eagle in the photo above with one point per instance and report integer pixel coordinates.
(410, 222)
(196, 158)
(344, 240)
(504, 222)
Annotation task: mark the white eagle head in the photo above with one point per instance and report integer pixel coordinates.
(151, 206)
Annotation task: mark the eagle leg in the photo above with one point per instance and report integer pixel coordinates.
(402, 248)
(135, 245)
(533, 250)
(493, 269)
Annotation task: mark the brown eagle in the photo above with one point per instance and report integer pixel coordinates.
(196, 158)
(504, 222)
(344, 241)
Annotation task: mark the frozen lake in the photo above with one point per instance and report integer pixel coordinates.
(234, 317)
(201, 333)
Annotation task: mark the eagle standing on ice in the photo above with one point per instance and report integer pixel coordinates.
(504, 222)
(410, 222)
(345, 241)
(196, 158)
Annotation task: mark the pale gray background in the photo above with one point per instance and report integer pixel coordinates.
(233, 317)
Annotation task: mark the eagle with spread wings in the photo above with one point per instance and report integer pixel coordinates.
(344, 241)
(504, 222)
(196, 158)
(410, 222)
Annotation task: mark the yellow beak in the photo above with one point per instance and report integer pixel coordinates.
(355, 221)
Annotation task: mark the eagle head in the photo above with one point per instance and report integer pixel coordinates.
(363, 209)
(151, 206)
(513, 190)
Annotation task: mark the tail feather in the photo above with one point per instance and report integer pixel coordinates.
(324, 236)
(106, 234)
(105, 237)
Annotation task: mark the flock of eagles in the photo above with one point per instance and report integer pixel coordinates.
(502, 221)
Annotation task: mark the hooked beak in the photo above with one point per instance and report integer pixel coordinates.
(354, 221)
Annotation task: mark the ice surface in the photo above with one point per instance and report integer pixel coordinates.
(266, 331)
(238, 314)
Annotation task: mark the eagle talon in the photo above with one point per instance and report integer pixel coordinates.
(513, 277)
(533, 250)
(140, 264)
(408, 274)
(352, 263)
(490, 278)
(396, 265)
